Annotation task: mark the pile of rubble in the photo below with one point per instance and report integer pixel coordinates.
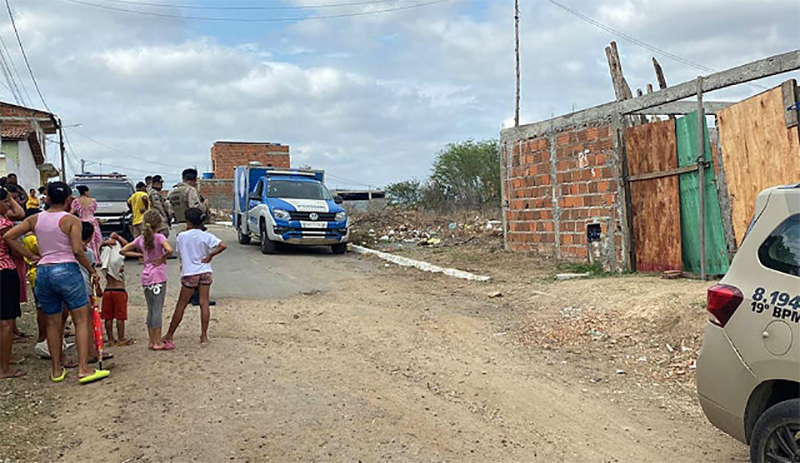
(410, 227)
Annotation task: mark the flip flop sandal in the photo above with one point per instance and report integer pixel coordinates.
(127, 342)
(96, 376)
(165, 346)
(168, 345)
(61, 378)
(16, 374)
(19, 361)
(106, 356)
(70, 364)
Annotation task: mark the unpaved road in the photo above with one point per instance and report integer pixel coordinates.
(343, 359)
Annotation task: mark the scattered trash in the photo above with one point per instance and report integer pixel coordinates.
(501, 334)
(620, 372)
(641, 359)
(671, 274)
(571, 311)
(571, 276)
(429, 242)
(670, 349)
(495, 294)
(452, 226)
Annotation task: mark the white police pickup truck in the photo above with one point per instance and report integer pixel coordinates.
(287, 206)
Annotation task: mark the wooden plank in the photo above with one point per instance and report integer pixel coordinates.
(663, 173)
(681, 108)
(758, 152)
(755, 70)
(790, 101)
(655, 202)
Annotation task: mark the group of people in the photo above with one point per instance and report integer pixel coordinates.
(59, 247)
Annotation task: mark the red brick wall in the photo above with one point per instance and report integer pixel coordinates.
(557, 185)
(225, 156)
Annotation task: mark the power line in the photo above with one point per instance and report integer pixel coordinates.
(120, 151)
(630, 38)
(25, 56)
(257, 20)
(244, 8)
(13, 68)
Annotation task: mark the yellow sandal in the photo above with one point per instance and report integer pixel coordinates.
(96, 376)
(61, 378)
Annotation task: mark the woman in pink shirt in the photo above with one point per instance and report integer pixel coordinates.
(59, 282)
(155, 250)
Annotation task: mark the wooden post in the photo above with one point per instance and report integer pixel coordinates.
(662, 81)
(701, 166)
(63, 150)
(516, 52)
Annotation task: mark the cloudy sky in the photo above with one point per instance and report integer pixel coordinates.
(370, 98)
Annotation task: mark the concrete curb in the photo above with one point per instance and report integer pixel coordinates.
(424, 266)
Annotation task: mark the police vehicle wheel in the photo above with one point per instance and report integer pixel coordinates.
(267, 246)
(243, 239)
(776, 436)
(340, 248)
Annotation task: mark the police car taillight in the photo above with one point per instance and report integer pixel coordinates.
(723, 300)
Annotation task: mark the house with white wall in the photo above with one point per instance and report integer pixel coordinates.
(23, 144)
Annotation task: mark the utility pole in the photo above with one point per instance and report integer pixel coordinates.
(516, 52)
(63, 150)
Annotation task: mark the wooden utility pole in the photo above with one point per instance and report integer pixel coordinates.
(701, 168)
(516, 52)
(63, 151)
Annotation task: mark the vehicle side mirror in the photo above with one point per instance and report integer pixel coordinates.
(338, 199)
(255, 196)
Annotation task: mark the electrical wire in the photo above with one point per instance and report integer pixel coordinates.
(13, 69)
(630, 38)
(25, 56)
(250, 8)
(257, 20)
(635, 41)
(349, 182)
(120, 151)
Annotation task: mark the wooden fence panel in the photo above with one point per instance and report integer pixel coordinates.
(758, 152)
(655, 202)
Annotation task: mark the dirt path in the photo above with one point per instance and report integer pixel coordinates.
(392, 365)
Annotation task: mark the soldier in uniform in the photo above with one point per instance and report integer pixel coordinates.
(182, 197)
(159, 203)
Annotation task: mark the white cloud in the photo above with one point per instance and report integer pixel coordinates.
(371, 99)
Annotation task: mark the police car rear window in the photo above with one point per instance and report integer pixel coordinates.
(781, 250)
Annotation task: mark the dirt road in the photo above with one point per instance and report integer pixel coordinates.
(342, 359)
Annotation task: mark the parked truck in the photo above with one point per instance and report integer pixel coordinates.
(289, 206)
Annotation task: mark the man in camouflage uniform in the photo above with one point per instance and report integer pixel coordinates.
(182, 197)
(159, 203)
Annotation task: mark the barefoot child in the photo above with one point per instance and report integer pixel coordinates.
(196, 249)
(115, 298)
(155, 250)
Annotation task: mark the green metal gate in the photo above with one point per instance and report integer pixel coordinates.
(716, 248)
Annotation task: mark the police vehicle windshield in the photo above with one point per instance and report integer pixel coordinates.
(297, 190)
(109, 192)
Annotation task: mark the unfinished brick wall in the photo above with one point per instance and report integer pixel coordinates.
(226, 155)
(218, 191)
(556, 186)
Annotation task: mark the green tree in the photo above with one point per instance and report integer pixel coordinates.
(407, 193)
(468, 173)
